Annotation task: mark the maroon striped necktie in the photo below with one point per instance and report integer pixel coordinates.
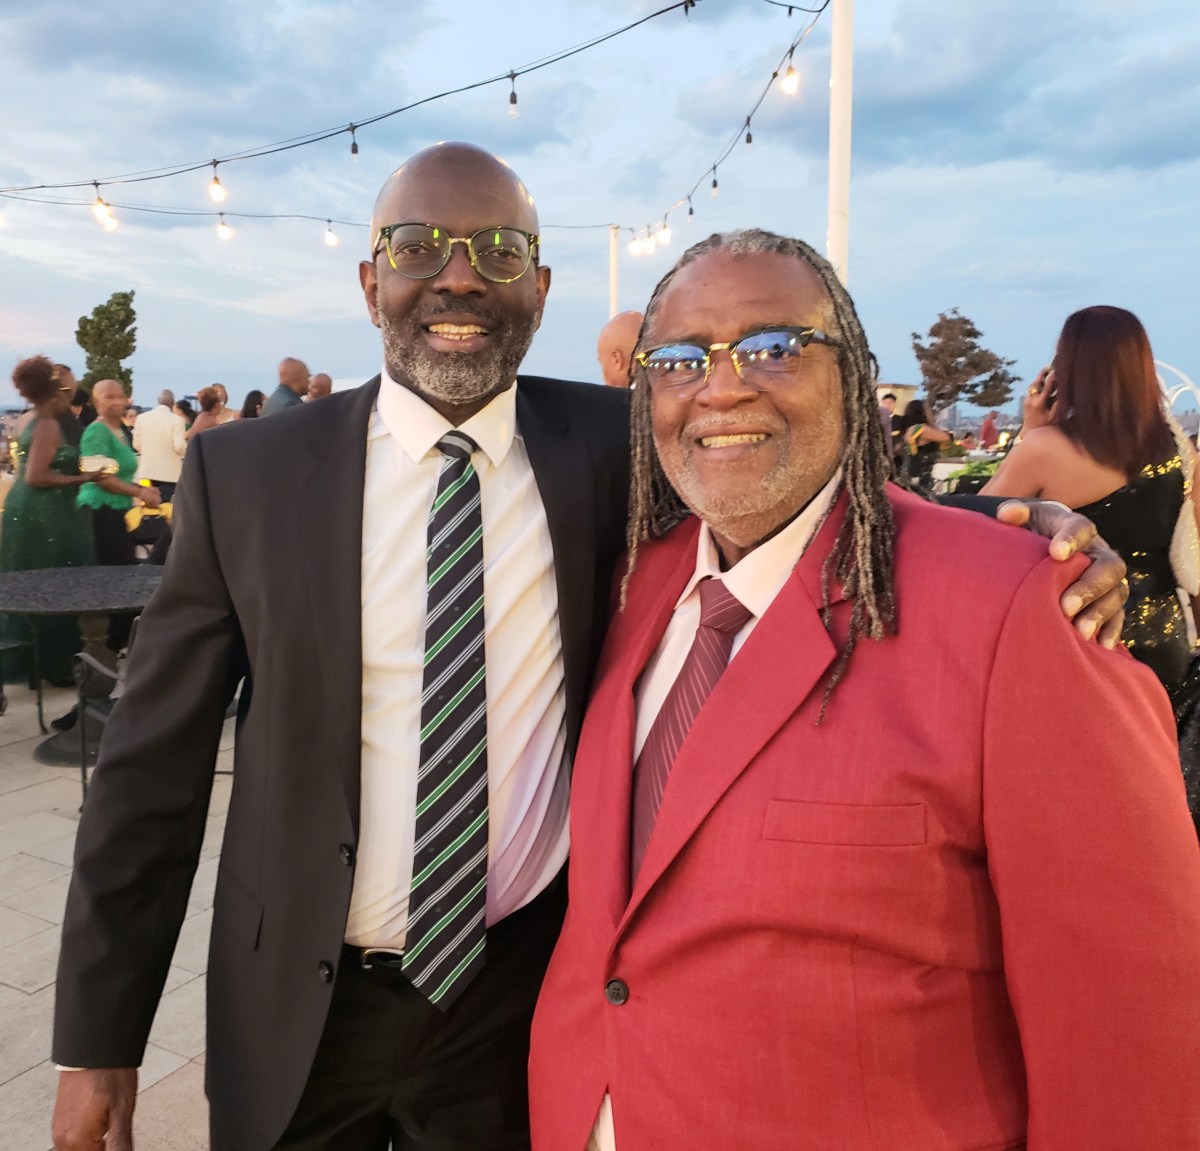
(721, 618)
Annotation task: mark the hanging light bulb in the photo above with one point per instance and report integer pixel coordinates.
(331, 240)
(664, 233)
(791, 78)
(100, 208)
(648, 242)
(715, 190)
(635, 245)
(749, 137)
(353, 142)
(512, 96)
(110, 222)
(216, 189)
(223, 229)
(691, 211)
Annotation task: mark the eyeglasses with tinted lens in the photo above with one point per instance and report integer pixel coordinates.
(767, 358)
(420, 251)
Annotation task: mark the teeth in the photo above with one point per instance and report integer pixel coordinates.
(457, 331)
(726, 441)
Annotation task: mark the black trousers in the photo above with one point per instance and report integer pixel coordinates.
(114, 546)
(393, 1071)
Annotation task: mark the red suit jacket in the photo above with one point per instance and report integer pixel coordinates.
(961, 914)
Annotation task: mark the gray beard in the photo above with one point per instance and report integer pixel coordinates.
(454, 377)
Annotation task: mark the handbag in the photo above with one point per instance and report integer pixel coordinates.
(1185, 540)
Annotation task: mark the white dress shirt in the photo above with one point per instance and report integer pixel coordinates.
(158, 439)
(527, 779)
(755, 581)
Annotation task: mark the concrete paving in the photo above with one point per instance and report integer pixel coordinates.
(39, 813)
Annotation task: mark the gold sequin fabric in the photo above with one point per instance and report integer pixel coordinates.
(1138, 521)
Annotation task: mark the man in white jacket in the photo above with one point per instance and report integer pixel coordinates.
(158, 439)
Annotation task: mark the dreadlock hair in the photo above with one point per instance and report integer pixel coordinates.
(862, 558)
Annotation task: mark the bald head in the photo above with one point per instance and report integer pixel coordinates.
(454, 164)
(614, 349)
(319, 387)
(293, 374)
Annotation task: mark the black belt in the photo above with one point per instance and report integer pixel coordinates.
(388, 962)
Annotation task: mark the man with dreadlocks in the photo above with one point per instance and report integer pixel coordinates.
(792, 926)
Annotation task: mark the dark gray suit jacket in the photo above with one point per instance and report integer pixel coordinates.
(262, 584)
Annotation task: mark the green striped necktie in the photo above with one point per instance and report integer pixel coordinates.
(447, 922)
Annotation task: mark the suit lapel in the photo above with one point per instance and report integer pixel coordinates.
(562, 466)
(634, 636)
(330, 467)
(776, 670)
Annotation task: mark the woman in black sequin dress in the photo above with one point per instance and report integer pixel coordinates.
(1096, 438)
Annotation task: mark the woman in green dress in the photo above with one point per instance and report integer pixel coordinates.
(42, 527)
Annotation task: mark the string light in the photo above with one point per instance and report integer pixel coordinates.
(216, 189)
(641, 242)
(791, 79)
(100, 209)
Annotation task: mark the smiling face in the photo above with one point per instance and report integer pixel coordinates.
(455, 339)
(747, 461)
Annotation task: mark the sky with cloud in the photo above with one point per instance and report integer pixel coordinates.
(1016, 161)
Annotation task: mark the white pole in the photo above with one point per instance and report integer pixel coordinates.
(841, 92)
(614, 233)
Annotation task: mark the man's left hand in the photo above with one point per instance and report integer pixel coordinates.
(1094, 603)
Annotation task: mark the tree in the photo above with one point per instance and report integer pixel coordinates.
(108, 337)
(955, 367)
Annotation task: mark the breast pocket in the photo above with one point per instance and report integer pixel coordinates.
(854, 825)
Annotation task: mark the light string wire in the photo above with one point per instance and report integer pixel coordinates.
(354, 126)
(23, 193)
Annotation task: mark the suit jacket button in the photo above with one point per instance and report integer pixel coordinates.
(325, 969)
(616, 992)
(347, 854)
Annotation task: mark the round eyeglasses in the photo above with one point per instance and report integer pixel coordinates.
(766, 358)
(420, 251)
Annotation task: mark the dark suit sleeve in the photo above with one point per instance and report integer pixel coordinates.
(987, 505)
(142, 825)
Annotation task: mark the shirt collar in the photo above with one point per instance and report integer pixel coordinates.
(757, 578)
(417, 427)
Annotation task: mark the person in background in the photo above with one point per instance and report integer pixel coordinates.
(224, 414)
(988, 435)
(209, 400)
(293, 386)
(160, 439)
(109, 496)
(615, 347)
(42, 526)
(185, 412)
(887, 412)
(319, 387)
(253, 404)
(921, 440)
(1096, 437)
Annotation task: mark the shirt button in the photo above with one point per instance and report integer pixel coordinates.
(347, 854)
(325, 970)
(616, 991)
